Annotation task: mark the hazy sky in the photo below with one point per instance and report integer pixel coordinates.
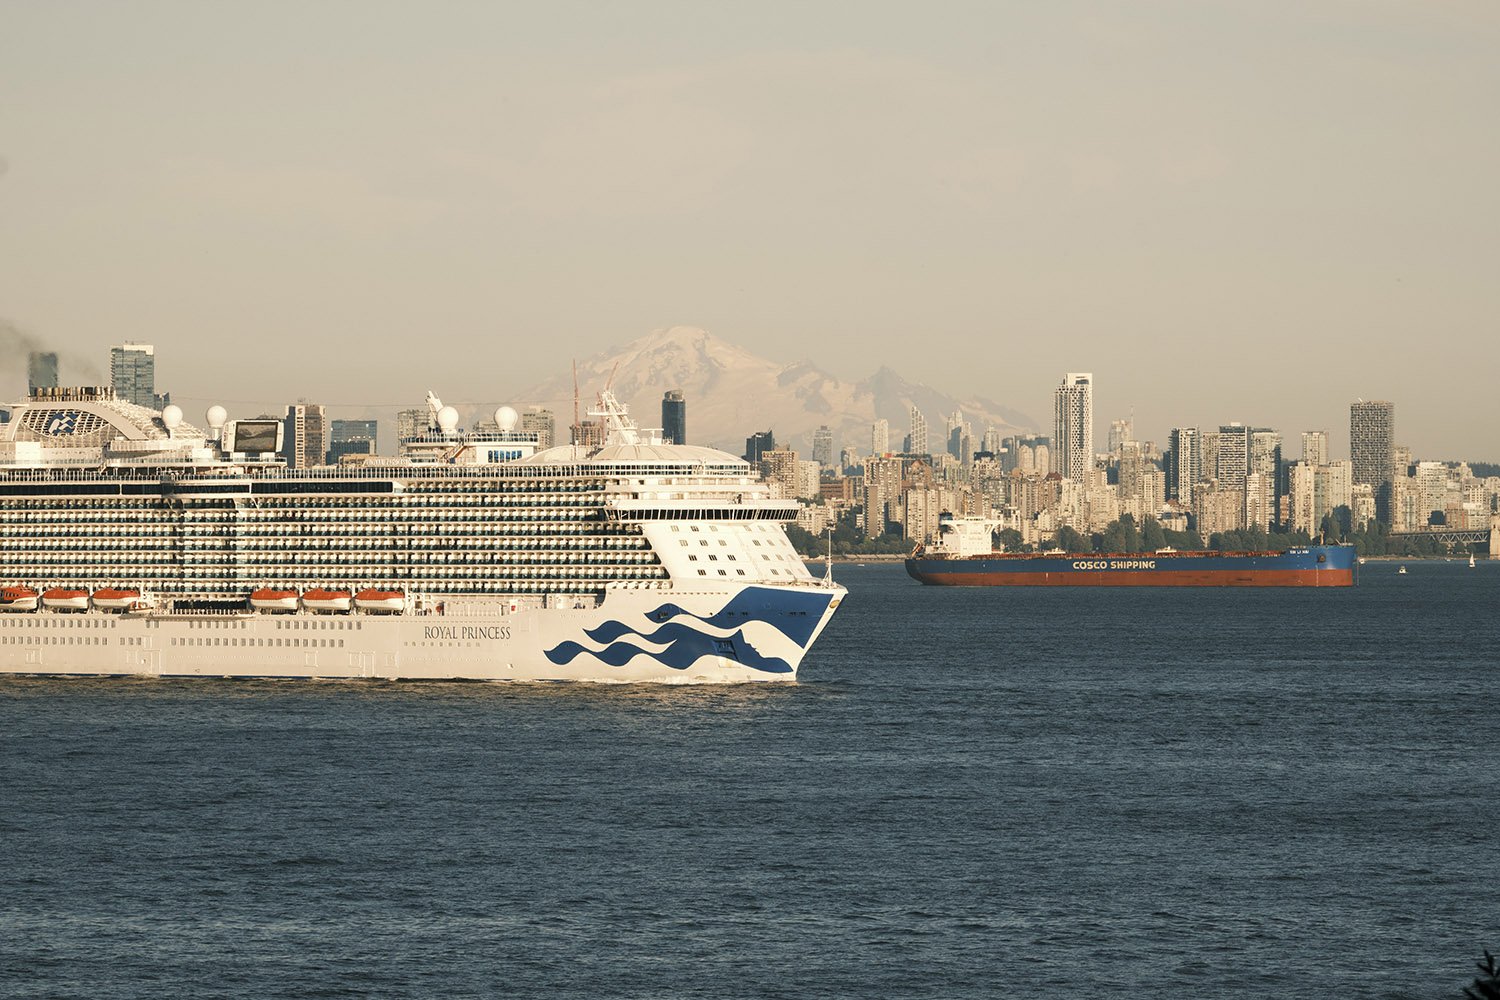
(1250, 211)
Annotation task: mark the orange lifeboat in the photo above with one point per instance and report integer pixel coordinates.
(116, 598)
(65, 599)
(327, 601)
(267, 599)
(382, 601)
(17, 599)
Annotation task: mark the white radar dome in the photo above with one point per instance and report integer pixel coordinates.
(447, 419)
(171, 416)
(216, 416)
(506, 418)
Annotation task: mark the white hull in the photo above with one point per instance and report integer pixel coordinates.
(755, 633)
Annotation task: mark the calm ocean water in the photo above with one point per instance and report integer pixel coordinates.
(971, 793)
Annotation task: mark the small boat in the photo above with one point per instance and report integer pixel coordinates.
(65, 599)
(117, 599)
(278, 601)
(18, 599)
(1471, 560)
(1361, 560)
(1401, 571)
(327, 601)
(383, 601)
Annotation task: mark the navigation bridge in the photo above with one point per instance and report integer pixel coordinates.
(1464, 536)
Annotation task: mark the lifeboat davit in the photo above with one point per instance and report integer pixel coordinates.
(117, 598)
(327, 601)
(65, 599)
(17, 599)
(385, 601)
(266, 599)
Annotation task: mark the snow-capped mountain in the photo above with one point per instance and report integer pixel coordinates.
(732, 393)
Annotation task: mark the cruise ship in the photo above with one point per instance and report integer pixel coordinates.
(134, 543)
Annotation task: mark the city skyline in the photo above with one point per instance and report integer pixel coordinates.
(980, 201)
(1333, 426)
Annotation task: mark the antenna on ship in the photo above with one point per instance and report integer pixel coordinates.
(828, 565)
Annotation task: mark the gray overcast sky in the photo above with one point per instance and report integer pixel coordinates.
(1250, 211)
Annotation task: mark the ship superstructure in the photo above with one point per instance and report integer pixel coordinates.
(469, 556)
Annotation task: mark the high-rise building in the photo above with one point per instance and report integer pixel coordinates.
(1372, 449)
(674, 417)
(1315, 447)
(303, 443)
(1120, 431)
(412, 423)
(757, 444)
(1132, 469)
(880, 437)
(882, 490)
(41, 371)
(1265, 461)
(1232, 463)
(538, 420)
(132, 374)
(917, 443)
(822, 449)
(1184, 464)
(351, 437)
(1073, 437)
(781, 468)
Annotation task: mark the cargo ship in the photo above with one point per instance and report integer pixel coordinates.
(133, 543)
(963, 556)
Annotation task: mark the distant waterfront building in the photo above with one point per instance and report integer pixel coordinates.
(674, 417)
(303, 442)
(1315, 447)
(132, 374)
(822, 449)
(780, 466)
(882, 490)
(412, 423)
(1372, 449)
(917, 443)
(1073, 426)
(351, 437)
(880, 437)
(41, 371)
(809, 479)
(539, 420)
(1232, 459)
(757, 444)
(1184, 464)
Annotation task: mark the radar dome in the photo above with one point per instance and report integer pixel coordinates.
(171, 416)
(216, 416)
(447, 419)
(506, 418)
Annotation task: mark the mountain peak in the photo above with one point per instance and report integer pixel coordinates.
(731, 392)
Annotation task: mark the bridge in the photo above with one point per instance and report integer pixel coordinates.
(1465, 536)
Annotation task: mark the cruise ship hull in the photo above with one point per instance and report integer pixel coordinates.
(1313, 566)
(759, 633)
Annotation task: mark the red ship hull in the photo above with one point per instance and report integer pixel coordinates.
(1169, 578)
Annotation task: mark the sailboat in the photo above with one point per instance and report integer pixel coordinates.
(1471, 560)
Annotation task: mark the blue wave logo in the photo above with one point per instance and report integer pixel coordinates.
(63, 423)
(794, 615)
